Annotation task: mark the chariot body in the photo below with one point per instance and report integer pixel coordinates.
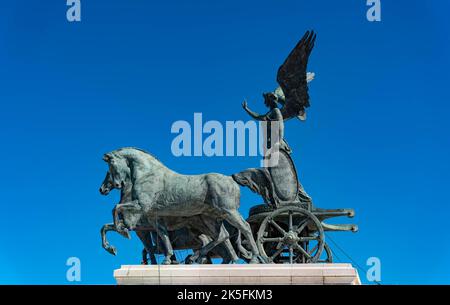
(291, 229)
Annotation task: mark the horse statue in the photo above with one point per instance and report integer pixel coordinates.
(157, 193)
(185, 233)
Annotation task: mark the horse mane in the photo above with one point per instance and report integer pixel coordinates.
(138, 149)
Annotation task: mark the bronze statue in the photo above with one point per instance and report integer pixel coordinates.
(174, 211)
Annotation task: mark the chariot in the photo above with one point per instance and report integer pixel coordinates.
(290, 229)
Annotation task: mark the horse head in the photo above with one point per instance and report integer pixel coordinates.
(118, 174)
(107, 185)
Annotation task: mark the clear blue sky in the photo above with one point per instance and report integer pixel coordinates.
(376, 138)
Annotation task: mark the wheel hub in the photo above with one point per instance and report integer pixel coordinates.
(291, 238)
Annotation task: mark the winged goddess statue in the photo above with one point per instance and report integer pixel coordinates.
(292, 93)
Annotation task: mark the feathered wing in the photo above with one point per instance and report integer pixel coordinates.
(293, 79)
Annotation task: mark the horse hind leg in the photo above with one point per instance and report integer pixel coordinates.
(218, 234)
(144, 257)
(224, 249)
(236, 220)
(154, 237)
(227, 252)
(220, 237)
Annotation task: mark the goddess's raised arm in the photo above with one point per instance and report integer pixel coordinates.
(253, 114)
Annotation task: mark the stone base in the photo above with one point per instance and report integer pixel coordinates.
(271, 274)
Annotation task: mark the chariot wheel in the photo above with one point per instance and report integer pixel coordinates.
(327, 255)
(291, 234)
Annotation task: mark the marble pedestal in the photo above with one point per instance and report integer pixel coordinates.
(271, 274)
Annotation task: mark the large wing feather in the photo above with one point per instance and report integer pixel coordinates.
(292, 78)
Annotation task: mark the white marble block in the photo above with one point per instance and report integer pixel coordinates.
(259, 274)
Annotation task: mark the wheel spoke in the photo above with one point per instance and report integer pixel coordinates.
(313, 249)
(298, 247)
(280, 229)
(302, 226)
(291, 254)
(290, 221)
(271, 239)
(276, 253)
(308, 238)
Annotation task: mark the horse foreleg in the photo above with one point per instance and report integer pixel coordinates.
(105, 244)
(146, 239)
(154, 238)
(128, 207)
(164, 236)
(119, 227)
(118, 209)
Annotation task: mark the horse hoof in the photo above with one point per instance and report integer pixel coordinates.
(125, 233)
(264, 260)
(230, 262)
(166, 261)
(112, 250)
(188, 260)
(203, 261)
(192, 260)
(144, 263)
(254, 260)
